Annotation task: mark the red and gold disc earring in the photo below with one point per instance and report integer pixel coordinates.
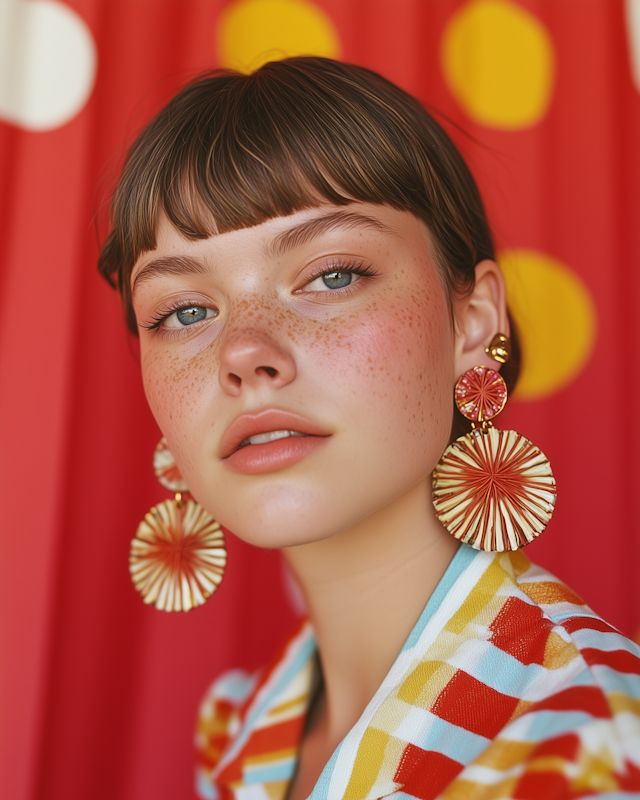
(492, 489)
(178, 554)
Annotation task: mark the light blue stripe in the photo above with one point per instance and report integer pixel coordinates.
(613, 681)
(462, 559)
(547, 724)
(321, 789)
(583, 678)
(504, 673)
(402, 796)
(305, 653)
(204, 789)
(576, 611)
(281, 771)
(457, 743)
(615, 795)
(235, 685)
(587, 637)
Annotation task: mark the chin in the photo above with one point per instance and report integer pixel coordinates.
(281, 521)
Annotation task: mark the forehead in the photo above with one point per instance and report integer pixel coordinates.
(280, 235)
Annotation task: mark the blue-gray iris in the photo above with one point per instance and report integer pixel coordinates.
(337, 280)
(187, 316)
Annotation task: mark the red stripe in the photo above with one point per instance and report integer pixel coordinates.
(589, 699)
(424, 774)
(547, 786)
(521, 630)
(630, 780)
(620, 660)
(566, 746)
(276, 737)
(574, 624)
(474, 706)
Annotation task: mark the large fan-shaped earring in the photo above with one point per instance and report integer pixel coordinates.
(178, 554)
(493, 490)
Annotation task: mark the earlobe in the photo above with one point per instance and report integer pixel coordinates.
(480, 317)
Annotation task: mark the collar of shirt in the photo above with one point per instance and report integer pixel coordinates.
(482, 653)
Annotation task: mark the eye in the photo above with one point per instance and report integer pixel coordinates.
(189, 316)
(331, 280)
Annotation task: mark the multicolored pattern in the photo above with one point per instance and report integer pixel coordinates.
(507, 687)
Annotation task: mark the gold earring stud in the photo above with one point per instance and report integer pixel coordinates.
(499, 349)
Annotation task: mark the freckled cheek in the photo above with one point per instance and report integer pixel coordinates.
(391, 345)
(176, 387)
(393, 373)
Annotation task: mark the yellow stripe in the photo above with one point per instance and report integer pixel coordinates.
(620, 703)
(265, 758)
(519, 710)
(519, 562)
(558, 653)
(596, 772)
(471, 790)
(297, 701)
(424, 685)
(483, 594)
(276, 790)
(503, 754)
(368, 763)
(547, 593)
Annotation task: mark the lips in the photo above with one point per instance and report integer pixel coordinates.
(248, 425)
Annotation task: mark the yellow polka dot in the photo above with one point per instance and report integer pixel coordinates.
(498, 61)
(556, 318)
(251, 32)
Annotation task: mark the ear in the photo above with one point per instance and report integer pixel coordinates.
(479, 317)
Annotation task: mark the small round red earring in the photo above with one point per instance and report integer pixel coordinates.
(178, 554)
(493, 490)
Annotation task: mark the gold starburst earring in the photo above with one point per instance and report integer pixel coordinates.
(178, 554)
(492, 489)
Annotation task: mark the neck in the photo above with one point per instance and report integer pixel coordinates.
(365, 589)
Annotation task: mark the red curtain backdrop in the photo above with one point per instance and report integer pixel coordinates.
(98, 691)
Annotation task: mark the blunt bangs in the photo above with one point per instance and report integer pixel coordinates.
(231, 151)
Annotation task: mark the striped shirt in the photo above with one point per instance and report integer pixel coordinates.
(507, 687)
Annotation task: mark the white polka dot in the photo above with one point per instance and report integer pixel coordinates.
(47, 63)
(633, 32)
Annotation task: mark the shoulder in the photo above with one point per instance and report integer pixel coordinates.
(578, 730)
(607, 660)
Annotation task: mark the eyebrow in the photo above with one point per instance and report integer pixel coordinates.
(168, 265)
(306, 231)
(285, 241)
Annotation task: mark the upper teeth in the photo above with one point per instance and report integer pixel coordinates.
(270, 436)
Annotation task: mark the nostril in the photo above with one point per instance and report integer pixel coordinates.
(235, 379)
(271, 372)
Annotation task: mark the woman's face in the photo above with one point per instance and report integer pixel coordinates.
(331, 324)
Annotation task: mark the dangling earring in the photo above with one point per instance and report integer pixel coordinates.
(178, 555)
(493, 490)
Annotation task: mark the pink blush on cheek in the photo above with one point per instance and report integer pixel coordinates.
(397, 362)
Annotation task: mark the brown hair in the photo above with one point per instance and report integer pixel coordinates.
(231, 151)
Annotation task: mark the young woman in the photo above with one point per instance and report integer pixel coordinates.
(307, 262)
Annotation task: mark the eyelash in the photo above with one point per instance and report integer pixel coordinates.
(360, 268)
(160, 316)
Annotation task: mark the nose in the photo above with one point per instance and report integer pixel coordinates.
(252, 359)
